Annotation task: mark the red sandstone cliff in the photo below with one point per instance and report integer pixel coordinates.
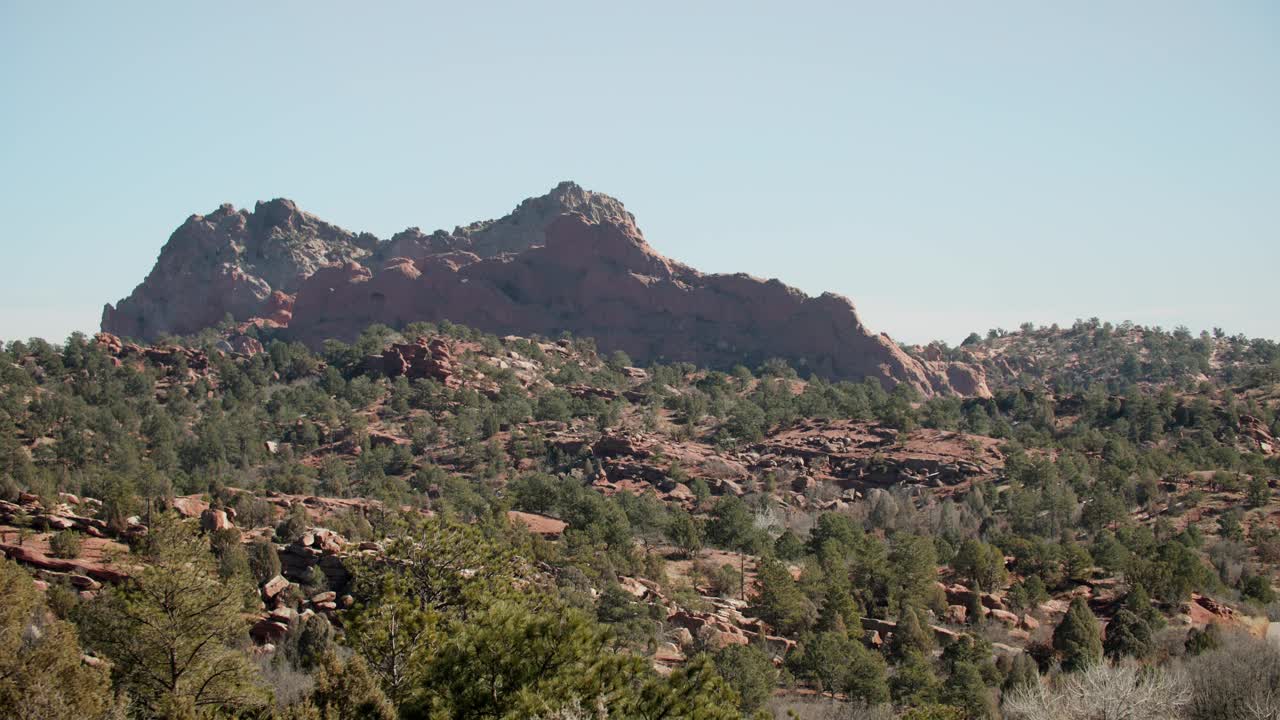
(568, 261)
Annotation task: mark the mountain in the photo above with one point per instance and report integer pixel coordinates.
(569, 261)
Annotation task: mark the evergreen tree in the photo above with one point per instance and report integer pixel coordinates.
(1138, 602)
(1022, 671)
(173, 630)
(1078, 638)
(914, 682)
(395, 635)
(749, 671)
(695, 692)
(1199, 642)
(788, 546)
(1127, 636)
(685, 532)
(779, 601)
(510, 661)
(839, 611)
(965, 689)
(348, 691)
(821, 659)
(865, 677)
(981, 564)
(910, 636)
(1259, 492)
(974, 611)
(41, 672)
(914, 563)
(263, 560)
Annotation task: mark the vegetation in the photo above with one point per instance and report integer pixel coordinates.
(1130, 466)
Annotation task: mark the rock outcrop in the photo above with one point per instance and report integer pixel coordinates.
(425, 359)
(229, 263)
(571, 261)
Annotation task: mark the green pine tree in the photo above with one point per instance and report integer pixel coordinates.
(1127, 636)
(965, 689)
(1078, 638)
(41, 672)
(910, 636)
(915, 682)
(173, 630)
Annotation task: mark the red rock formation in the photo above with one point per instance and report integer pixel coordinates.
(230, 262)
(601, 280)
(427, 358)
(35, 558)
(568, 261)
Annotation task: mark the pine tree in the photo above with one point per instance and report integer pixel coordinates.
(820, 658)
(395, 635)
(966, 690)
(1127, 636)
(41, 671)
(1078, 638)
(1138, 602)
(173, 628)
(695, 692)
(915, 682)
(507, 660)
(749, 671)
(839, 612)
(348, 691)
(1022, 671)
(981, 563)
(1259, 492)
(910, 636)
(974, 611)
(780, 601)
(865, 676)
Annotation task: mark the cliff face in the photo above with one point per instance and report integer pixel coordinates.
(230, 262)
(568, 261)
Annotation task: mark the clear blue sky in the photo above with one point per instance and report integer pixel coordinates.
(949, 166)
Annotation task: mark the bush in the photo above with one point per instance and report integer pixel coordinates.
(65, 544)
(1102, 691)
(264, 561)
(1241, 679)
(749, 671)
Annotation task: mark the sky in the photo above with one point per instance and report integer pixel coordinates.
(951, 167)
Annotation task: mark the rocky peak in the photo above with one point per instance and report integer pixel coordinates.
(524, 227)
(229, 262)
(570, 260)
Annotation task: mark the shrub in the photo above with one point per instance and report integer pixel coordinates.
(65, 544)
(1240, 679)
(1101, 692)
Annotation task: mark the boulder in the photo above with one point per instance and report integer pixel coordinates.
(1006, 617)
(213, 520)
(274, 586)
(268, 630)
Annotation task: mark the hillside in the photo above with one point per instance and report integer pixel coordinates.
(754, 539)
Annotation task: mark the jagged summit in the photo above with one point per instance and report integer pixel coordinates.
(523, 227)
(570, 260)
(231, 261)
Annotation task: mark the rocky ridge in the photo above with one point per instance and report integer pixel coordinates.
(569, 261)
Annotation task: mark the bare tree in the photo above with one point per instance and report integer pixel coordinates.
(1126, 691)
(1238, 681)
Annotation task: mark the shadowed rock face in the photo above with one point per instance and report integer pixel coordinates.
(572, 261)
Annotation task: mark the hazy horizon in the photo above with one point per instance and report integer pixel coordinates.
(949, 170)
